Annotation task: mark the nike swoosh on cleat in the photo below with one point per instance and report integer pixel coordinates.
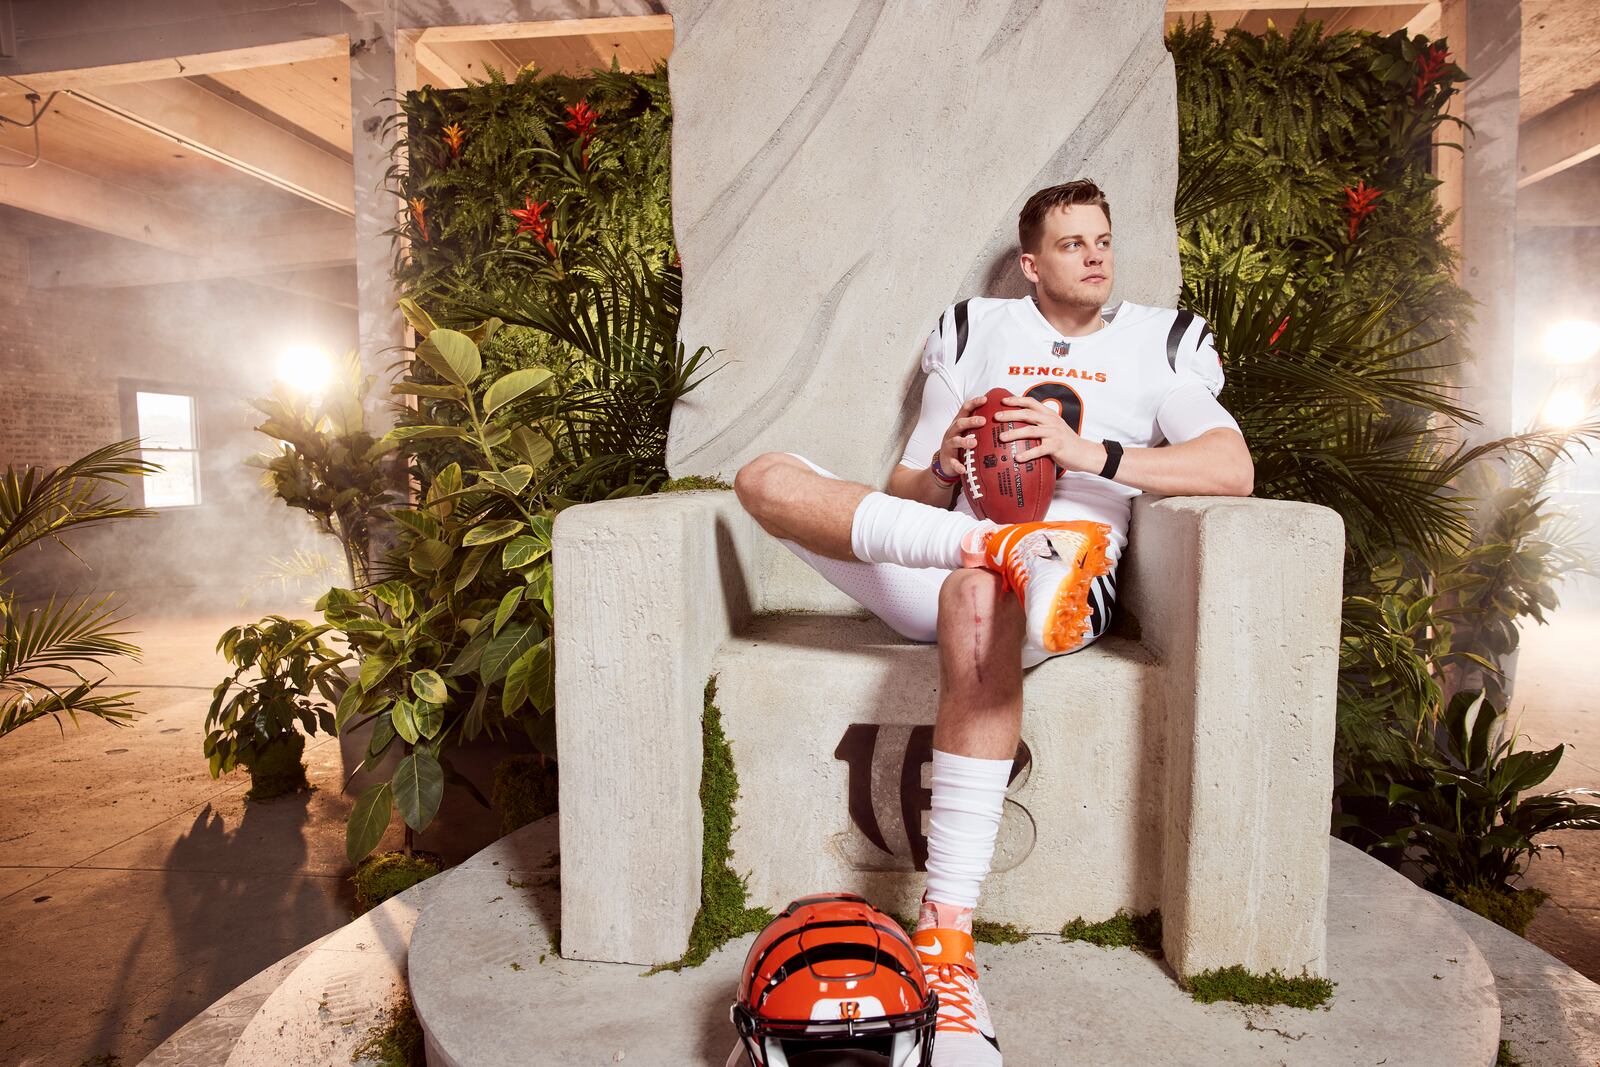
(934, 951)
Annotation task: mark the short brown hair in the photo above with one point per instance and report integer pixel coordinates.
(1031, 222)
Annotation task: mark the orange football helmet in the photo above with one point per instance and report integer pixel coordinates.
(834, 972)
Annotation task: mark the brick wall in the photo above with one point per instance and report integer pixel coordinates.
(66, 357)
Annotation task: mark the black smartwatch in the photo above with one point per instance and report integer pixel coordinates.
(1113, 457)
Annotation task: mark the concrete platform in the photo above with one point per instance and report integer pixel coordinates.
(1413, 990)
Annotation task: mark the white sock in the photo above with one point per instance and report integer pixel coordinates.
(968, 797)
(892, 529)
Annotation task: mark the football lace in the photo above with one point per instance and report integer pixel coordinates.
(973, 490)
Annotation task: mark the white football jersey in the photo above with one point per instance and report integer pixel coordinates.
(1148, 375)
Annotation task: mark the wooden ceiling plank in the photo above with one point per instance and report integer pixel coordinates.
(209, 124)
(1561, 137)
(70, 196)
(312, 97)
(501, 31)
(183, 66)
(468, 60)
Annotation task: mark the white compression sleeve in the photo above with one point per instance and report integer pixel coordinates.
(969, 797)
(892, 529)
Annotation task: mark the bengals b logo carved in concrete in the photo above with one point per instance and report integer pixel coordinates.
(889, 797)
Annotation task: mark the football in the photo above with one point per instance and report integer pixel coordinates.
(998, 487)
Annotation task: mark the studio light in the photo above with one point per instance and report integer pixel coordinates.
(1565, 407)
(1573, 341)
(306, 369)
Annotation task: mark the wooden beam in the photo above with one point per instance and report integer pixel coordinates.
(70, 196)
(180, 66)
(1561, 137)
(466, 60)
(212, 126)
(1566, 201)
(100, 261)
(330, 285)
(507, 31)
(1426, 21)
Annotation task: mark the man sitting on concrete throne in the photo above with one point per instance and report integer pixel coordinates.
(1122, 397)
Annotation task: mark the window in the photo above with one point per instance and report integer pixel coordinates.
(166, 427)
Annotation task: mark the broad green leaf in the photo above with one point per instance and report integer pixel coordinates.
(382, 734)
(528, 677)
(471, 566)
(515, 692)
(368, 820)
(484, 330)
(420, 320)
(401, 434)
(421, 523)
(472, 724)
(533, 447)
(513, 480)
(541, 679)
(429, 719)
(512, 387)
(489, 532)
(373, 670)
(429, 556)
(541, 589)
(503, 649)
(508, 604)
(434, 392)
(522, 551)
(459, 359)
(429, 686)
(398, 596)
(404, 714)
(418, 788)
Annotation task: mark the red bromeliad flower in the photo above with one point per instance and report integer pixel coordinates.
(419, 212)
(1359, 203)
(1430, 66)
(530, 219)
(455, 137)
(1279, 331)
(581, 120)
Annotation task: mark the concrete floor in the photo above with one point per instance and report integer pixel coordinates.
(126, 912)
(135, 890)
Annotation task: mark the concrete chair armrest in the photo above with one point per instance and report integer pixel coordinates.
(1241, 600)
(646, 590)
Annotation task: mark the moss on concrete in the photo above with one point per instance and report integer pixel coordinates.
(1507, 1058)
(1237, 984)
(397, 1043)
(524, 790)
(1511, 908)
(724, 914)
(382, 875)
(691, 482)
(1122, 930)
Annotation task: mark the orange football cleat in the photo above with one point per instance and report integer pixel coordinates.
(1050, 566)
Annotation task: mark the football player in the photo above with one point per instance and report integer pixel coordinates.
(1122, 397)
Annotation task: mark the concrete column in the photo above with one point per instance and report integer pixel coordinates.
(373, 92)
(1485, 38)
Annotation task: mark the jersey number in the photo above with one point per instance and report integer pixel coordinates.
(1062, 400)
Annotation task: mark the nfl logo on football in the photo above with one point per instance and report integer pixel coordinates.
(1060, 348)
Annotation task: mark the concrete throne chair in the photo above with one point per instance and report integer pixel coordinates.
(1182, 762)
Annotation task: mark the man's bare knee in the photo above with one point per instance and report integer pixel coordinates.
(976, 612)
(753, 484)
(971, 596)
